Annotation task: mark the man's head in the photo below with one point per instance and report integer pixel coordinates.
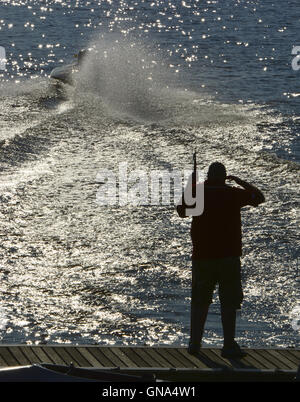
(217, 173)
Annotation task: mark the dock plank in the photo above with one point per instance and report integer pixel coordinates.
(232, 363)
(65, 356)
(8, 357)
(272, 361)
(258, 361)
(207, 359)
(173, 362)
(31, 357)
(217, 359)
(282, 360)
(153, 357)
(254, 360)
(77, 356)
(250, 361)
(2, 362)
(102, 359)
(195, 361)
(120, 352)
(295, 352)
(116, 362)
(89, 357)
(291, 356)
(44, 358)
(140, 359)
(180, 357)
(49, 351)
(18, 355)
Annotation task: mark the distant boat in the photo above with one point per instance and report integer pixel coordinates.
(66, 74)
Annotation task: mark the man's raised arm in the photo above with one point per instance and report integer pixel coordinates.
(258, 195)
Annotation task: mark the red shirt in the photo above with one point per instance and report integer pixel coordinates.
(217, 232)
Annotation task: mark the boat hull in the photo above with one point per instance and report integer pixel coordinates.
(64, 74)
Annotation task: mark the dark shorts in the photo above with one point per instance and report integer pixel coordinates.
(226, 272)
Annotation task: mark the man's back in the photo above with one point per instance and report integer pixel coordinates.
(217, 232)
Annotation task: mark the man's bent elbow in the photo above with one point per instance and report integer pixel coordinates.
(260, 199)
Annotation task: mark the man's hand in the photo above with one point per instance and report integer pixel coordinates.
(234, 178)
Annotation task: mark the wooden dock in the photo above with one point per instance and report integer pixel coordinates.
(167, 363)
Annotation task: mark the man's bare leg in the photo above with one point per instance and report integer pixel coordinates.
(198, 319)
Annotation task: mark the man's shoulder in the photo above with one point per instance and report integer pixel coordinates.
(226, 193)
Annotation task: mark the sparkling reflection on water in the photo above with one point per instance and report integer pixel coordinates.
(73, 271)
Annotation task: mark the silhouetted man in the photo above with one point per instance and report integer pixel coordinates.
(217, 247)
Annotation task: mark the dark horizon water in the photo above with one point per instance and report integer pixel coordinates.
(172, 77)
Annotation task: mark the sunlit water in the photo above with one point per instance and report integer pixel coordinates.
(173, 77)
